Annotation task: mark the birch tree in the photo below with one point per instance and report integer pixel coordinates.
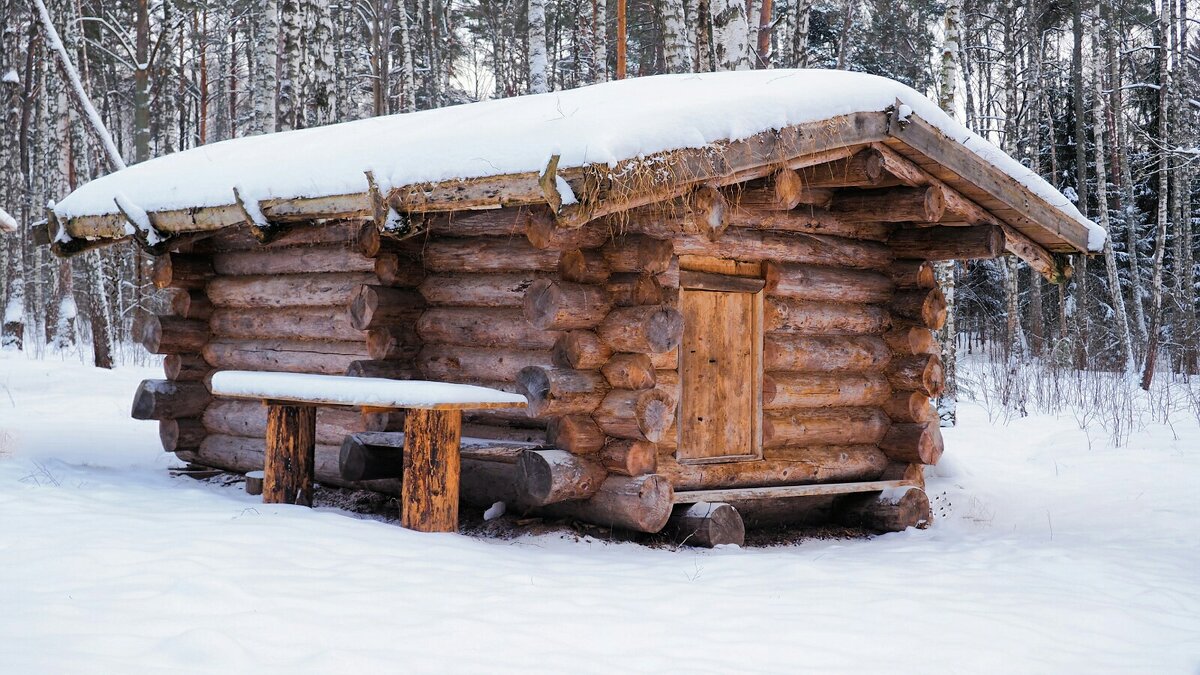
(730, 34)
(538, 82)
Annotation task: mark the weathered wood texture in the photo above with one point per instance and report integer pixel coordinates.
(290, 463)
(429, 492)
(707, 525)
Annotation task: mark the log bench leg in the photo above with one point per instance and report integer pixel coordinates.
(429, 489)
(291, 449)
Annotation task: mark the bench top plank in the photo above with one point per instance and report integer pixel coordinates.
(369, 392)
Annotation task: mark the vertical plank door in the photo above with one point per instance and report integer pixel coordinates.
(720, 376)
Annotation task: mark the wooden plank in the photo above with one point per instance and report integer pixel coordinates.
(705, 281)
(720, 376)
(711, 265)
(783, 491)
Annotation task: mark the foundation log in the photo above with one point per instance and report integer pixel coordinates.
(822, 318)
(708, 525)
(825, 353)
(583, 267)
(289, 356)
(827, 284)
(483, 327)
(164, 399)
(552, 392)
(629, 371)
(375, 306)
(182, 270)
(476, 364)
(290, 323)
(638, 253)
(552, 476)
(477, 290)
(629, 458)
(560, 305)
(577, 434)
(782, 466)
(925, 306)
(635, 415)
(922, 372)
(918, 443)
(185, 367)
(173, 335)
(647, 329)
(783, 391)
(979, 242)
(641, 504)
(893, 205)
(824, 426)
(487, 254)
(291, 290)
(891, 511)
(181, 434)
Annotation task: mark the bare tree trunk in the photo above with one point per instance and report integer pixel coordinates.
(599, 40)
(800, 37)
(408, 80)
(291, 25)
(266, 64)
(1160, 237)
(730, 34)
(764, 35)
(1080, 281)
(676, 50)
(538, 77)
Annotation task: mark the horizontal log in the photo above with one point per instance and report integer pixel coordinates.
(724, 283)
(786, 315)
(581, 350)
(288, 323)
(398, 269)
(793, 466)
(578, 434)
(561, 305)
(638, 253)
(483, 327)
(231, 417)
(181, 434)
(506, 434)
(824, 426)
(626, 289)
(477, 290)
(544, 233)
(191, 304)
(782, 191)
(453, 363)
(635, 415)
(825, 353)
(185, 367)
(918, 443)
(305, 260)
(809, 220)
(925, 306)
(363, 237)
(913, 274)
(641, 504)
(583, 267)
(905, 340)
(740, 243)
(393, 343)
(922, 372)
(552, 476)
(292, 290)
(552, 392)
(629, 371)
(979, 242)
(827, 284)
(164, 399)
(629, 458)
(380, 455)
(173, 335)
(289, 356)
(666, 360)
(909, 406)
(186, 271)
(783, 391)
(708, 525)
(503, 222)
(892, 205)
(862, 169)
(390, 370)
(647, 329)
(487, 254)
(890, 511)
(374, 306)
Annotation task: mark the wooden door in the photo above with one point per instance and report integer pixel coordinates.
(720, 373)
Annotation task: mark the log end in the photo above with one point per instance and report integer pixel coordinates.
(889, 511)
(708, 525)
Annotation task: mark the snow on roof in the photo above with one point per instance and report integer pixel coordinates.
(604, 123)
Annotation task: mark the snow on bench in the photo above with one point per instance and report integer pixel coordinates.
(368, 392)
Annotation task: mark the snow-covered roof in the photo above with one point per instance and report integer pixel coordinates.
(601, 124)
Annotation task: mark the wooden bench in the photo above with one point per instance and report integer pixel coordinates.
(432, 432)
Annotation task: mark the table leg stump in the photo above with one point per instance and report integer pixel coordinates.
(290, 462)
(429, 491)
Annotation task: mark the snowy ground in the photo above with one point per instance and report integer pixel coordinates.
(1051, 554)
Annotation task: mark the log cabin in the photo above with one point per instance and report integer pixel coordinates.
(715, 291)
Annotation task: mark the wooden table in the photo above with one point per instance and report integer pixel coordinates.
(432, 430)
